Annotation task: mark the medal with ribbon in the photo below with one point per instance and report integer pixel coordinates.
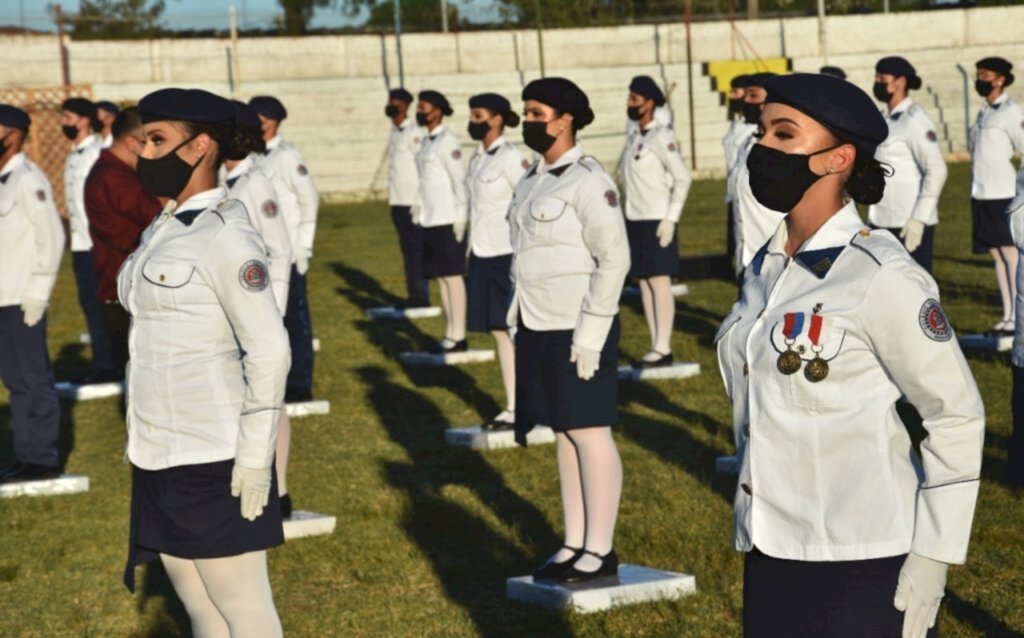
(817, 368)
(789, 361)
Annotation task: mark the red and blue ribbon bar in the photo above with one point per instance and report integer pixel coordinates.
(793, 325)
(814, 332)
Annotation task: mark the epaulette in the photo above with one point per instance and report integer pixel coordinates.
(590, 162)
(880, 245)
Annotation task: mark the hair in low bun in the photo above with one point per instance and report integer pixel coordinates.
(867, 181)
(244, 140)
(913, 83)
(510, 119)
(583, 119)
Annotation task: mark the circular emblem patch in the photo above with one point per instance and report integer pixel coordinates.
(270, 208)
(671, 147)
(253, 275)
(611, 198)
(932, 137)
(302, 170)
(41, 195)
(456, 154)
(526, 163)
(933, 321)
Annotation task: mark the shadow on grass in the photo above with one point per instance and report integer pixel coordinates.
(171, 620)
(71, 363)
(469, 557)
(971, 614)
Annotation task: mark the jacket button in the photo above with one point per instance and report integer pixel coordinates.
(161, 277)
(747, 489)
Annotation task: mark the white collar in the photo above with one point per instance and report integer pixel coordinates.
(440, 128)
(567, 157)
(241, 168)
(274, 142)
(495, 144)
(13, 164)
(89, 139)
(902, 107)
(836, 231)
(203, 200)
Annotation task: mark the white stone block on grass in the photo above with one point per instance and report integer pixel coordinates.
(727, 465)
(308, 408)
(634, 584)
(679, 370)
(450, 359)
(984, 342)
(316, 345)
(84, 338)
(390, 312)
(79, 392)
(678, 290)
(303, 524)
(64, 484)
(476, 438)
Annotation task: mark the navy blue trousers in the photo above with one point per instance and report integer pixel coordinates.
(25, 370)
(85, 278)
(300, 334)
(410, 240)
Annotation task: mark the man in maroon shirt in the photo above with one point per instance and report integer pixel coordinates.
(118, 210)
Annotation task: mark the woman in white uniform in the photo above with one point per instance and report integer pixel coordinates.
(494, 170)
(656, 185)
(205, 384)
(848, 527)
(909, 206)
(570, 259)
(441, 210)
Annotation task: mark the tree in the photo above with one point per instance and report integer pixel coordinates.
(297, 14)
(115, 19)
(417, 15)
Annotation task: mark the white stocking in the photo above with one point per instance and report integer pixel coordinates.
(664, 312)
(239, 587)
(284, 444)
(572, 497)
(456, 328)
(600, 469)
(1010, 257)
(1003, 279)
(647, 297)
(446, 304)
(507, 361)
(205, 619)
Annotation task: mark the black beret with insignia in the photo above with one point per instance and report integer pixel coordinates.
(562, 95)
(495, 104)
(400, 94)
(740, 82)
(901, 68)
(269, 107)
(79, 106)
(1002, 66)
(13, 117)
(437, 99)
(646, 87)
(186, 105)
(108, 106)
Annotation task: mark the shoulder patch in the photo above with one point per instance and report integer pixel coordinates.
(416, 140)
(525, 163)
(253, 276)
(881, 246)
(456, 154)
(303, 170)
(611, 197)
(672, 147)
(932, 137)
(933, 321)
(41, 195)
(269, 208)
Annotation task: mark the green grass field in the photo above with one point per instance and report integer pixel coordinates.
(428, 533)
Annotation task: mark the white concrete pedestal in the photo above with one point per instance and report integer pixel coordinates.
(308, 408)
(634, 584)
(982, 342)
(316, 345)
(390, 312)
(476, 438)
(64, 484)
(450, 359)
(727, 465)
(303, 524)
(77, 392)
(678, 290)
(678, 370)
(84, 338)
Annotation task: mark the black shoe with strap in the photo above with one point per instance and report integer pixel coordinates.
(665, 360)
(286, 506)
(448, 346)
(609, 567)
(552, 570)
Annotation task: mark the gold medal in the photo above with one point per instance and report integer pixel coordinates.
(816, 369)
(789, 362)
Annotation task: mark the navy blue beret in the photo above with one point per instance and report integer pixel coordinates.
(437, 99)
(561, 94)
(834, 71)
(245, 116)
(13, 117)
(108, 106)
(495, 104)
(740, 82)
(901, 68)
(838, 105)
(269, 107)
(645, 86)
(1002, 66)
(400, 94)
(186, 105)
(759, 79)
(79, 106)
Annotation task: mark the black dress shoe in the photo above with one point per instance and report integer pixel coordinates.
(286, 506)
(297, 395)
(21, 472)
(497, 424)
(551, 570)
(609, 567)
(442, 346)
(664, 361)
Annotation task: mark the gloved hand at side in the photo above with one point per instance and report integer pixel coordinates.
(921, 586)
(252, 487)
(587, 361)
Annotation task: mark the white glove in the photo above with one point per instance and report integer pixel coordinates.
(414, 212)
(587, 361)
(911, 234)
(666, 231)
(919, 591)
(302, 260)
(253, 487)
(33, 310)
(459, 228)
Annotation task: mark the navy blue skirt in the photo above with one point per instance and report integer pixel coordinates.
(990, 226)
(489, 286)
(188, 512)
(442, 255)
(647, 257)
(548, 391)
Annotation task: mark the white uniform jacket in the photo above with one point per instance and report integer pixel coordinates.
(919, 170)
(570, 250)
(76, 168)
(736, 138)
(32, 233)
(1016, 213)
(442, 195)
(654, 175)
(753, 224)
(296, 194)
(249, 185)
(403, 178)
(994, 137)
(208, 349)
(493, 174)
(827, 469)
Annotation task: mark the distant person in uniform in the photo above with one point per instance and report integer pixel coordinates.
(996, 135)
(403, 185)
(736, 137)
(106, 112)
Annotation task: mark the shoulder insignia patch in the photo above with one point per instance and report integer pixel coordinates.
(932, 137)
(611, 197)
(253, 276)
(416, 140)
(270, 208)
(933, 321)
(672, 147)
(303, 170)
(41, 195)
(456, 154)
(525, 163)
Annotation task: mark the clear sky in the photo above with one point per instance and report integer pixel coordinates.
(203, 14)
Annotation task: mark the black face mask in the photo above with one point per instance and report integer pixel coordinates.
(779, 180)
(421, 119)
(535, 135)
(735, 106)
(633, 113)
(70, 132)
(881, 91)
(391, 110)
(983, 88)
(478, 130)
(751, 113)
(166, 176)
